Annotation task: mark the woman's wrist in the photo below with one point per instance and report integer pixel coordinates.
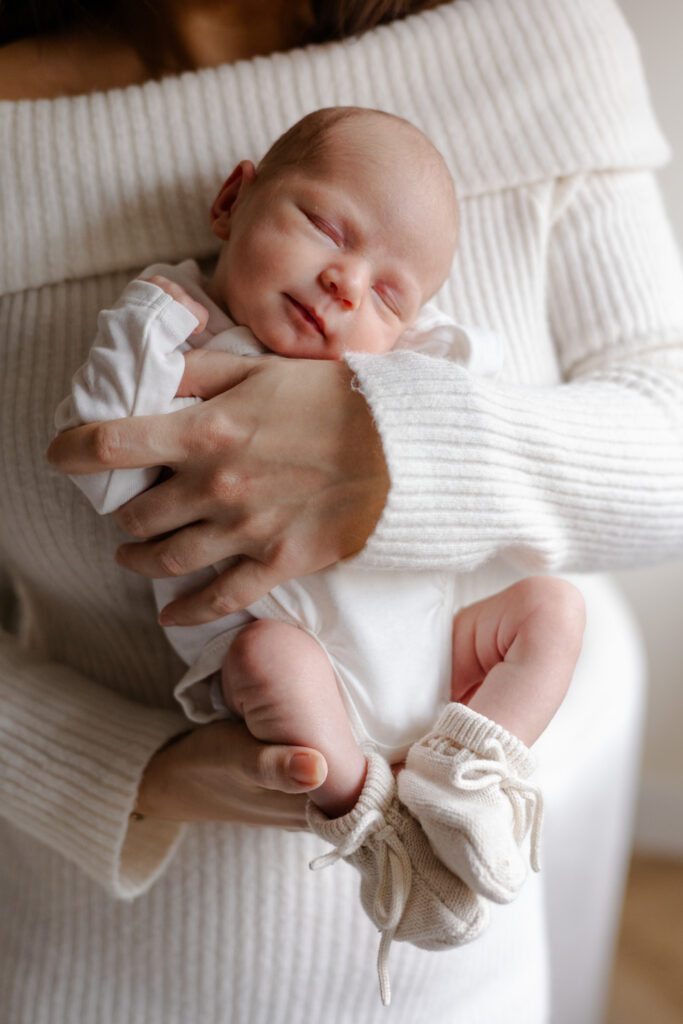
(141, 809)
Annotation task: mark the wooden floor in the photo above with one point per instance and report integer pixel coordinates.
(647, 986)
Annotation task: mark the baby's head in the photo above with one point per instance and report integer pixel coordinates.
(333, 243)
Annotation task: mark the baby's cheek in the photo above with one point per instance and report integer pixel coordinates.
(373, 335)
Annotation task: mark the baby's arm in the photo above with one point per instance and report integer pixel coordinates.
(133, 369)
(178, 293)
(514, 653)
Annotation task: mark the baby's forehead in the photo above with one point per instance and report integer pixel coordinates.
(390, 168)
(375, 141)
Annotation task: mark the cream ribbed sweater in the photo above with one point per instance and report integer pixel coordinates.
(575, 461)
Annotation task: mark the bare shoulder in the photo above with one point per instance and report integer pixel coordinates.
(67, 64)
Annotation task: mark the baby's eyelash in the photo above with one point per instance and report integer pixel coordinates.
(388, 302)
(325, 228)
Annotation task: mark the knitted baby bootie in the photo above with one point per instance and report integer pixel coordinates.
(464, 782)
(405, 890)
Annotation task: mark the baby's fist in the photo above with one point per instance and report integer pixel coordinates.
(177, 292)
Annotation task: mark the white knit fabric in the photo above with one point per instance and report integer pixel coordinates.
(572, 461)
(465, 782)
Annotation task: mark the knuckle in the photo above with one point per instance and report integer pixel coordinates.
(106, 446)
(251, 533)
(281, 553)
(225, 486)
(170, 564)
(163, 282)
(214, 434)
(131, 523)
(267, 767)
(221, 605)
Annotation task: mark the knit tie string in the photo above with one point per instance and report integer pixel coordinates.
(525, 799)
(393, 885)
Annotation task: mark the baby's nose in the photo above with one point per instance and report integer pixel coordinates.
(345, 283)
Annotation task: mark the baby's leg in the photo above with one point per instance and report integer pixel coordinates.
(278, 679)
(465, 781)
(514, 653)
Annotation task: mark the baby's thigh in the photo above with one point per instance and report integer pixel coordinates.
(266, 661)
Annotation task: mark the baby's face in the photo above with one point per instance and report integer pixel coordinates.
(336, 259)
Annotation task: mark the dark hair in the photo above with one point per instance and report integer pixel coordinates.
(332, 19)
(351, 17)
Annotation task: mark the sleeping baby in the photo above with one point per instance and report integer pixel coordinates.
(335, 243)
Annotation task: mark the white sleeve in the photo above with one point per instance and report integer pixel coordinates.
(134, 368)
(587, 475)
(435, 334)
(72, 754)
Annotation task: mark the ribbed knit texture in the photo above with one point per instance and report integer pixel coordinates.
(459, 726)
(540, 109)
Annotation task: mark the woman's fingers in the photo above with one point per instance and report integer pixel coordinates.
(135, 442)
(131, 443)
(236, 588)
(208, 373)
(165, 507)
(187, 551)
(288, 494)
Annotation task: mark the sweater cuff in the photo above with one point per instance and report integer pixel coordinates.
(72, 754)
(414, 410)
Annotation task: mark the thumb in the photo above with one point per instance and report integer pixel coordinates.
(287, 769)
(208, 373)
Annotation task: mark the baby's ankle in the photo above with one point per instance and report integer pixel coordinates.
(344, 783)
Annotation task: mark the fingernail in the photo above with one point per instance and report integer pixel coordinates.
(306, 769)
(166, 618)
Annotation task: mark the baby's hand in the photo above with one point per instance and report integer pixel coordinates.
(178, 293)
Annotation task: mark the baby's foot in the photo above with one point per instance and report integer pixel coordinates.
(464, 782)
(405, 890)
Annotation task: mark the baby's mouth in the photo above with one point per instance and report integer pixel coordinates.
(308, 314)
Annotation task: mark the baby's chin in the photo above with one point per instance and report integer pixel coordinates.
(282, 339)
(296, 349)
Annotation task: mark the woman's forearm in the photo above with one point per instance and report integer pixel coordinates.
(583, 476)
(587, 474)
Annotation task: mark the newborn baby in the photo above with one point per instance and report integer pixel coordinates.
(335, 243)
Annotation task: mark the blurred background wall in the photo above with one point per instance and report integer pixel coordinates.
(657, 594)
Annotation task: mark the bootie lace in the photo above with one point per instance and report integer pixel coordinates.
(526, 800)
(393, 887)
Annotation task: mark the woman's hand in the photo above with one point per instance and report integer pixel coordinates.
(285, 470)
(219, 772)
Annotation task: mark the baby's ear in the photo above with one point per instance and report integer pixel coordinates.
(231, 190)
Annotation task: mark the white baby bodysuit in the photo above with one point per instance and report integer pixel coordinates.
(387, 634)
